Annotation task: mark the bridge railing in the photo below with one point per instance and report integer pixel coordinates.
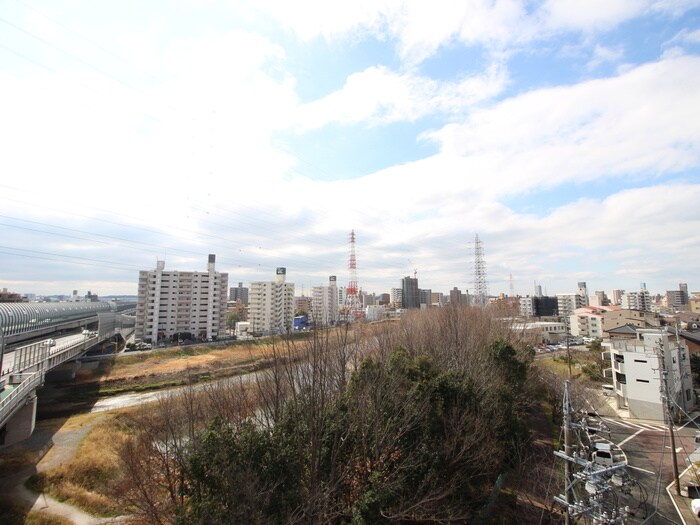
(30, 356)
(40, 358)
(11, 402)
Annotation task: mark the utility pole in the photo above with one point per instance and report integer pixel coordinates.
(567, 450)
(594, 492)
(668, 409)
(568, 350)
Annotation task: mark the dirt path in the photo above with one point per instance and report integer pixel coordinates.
(66, 439)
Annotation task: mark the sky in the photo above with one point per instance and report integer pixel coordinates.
(565, 134)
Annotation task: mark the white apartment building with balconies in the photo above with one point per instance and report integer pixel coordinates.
(189, 304)
(325, 307)
(271, 306)
(638, 367)
(640, 300)
(567, 303)
(587, 322)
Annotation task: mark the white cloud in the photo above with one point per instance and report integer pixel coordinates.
(602, 55)
(210, 117)
(643, 122)
(310, 19)
(674, 7)
(693, 36)
(687, 36)
(422, 28)
(591, 15)
(378, 95)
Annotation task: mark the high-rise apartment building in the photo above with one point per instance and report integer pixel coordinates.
(425, 298)
(325, 309)
(409, 291)
(538, 306)
(583, 292)
(678, 299)
(397, 297)
(239, 294)
(457, 297)
(186, 305)
(342, 296)
(600, 299)
(527, 306)
(617, 297)
(640, 300)
(438, 299)
(545, 305)
(568, 302)
(271, 310)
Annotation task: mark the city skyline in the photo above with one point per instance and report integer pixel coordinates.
(565, 134)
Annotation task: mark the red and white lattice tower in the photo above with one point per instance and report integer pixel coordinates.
(353, 306)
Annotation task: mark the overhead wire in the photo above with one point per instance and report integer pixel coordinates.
(35, 254)
(268, 222)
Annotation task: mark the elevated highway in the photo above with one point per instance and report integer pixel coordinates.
(38, 338)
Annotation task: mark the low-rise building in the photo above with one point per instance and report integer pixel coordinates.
(375, 313)
(548, 332)
(587, 322)
(640, 367)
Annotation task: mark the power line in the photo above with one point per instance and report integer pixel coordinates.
(76, 58)
(84, 261)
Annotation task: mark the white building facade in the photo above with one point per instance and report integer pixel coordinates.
(636, 301)
(567, 303)
(587, 322)
(271, 306)
(182, 303)
(638, 366)
(527, 306)
(375, 313)
(325, 310)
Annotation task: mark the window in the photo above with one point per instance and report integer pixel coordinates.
(640, 361)
(642, 380)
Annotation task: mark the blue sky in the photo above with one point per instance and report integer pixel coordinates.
(566, 134)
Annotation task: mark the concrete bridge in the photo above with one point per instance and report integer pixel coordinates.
(41, 338)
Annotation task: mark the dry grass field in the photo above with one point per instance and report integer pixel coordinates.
(169, 367)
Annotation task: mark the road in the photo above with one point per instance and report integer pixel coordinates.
(62, 343)
(647, 446)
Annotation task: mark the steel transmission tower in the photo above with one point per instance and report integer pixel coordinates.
(353, 306)
(481, 292)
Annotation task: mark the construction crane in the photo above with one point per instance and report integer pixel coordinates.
(415, 270)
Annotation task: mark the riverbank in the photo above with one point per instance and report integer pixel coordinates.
(64, 422)
(150, 372)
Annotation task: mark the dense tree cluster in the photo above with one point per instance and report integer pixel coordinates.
(404, 423)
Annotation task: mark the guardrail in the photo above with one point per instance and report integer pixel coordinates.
(10, 404)
(43, 358)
